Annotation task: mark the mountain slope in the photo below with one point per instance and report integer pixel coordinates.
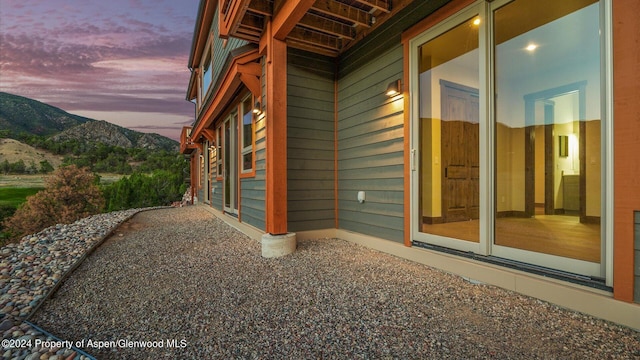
(13, 151)
(21, 114)
(110, 134)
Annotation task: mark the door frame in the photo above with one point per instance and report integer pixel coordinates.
(482, 247)
(206, 153)
(230, 163)
(487, 150)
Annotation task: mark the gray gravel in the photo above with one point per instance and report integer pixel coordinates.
(182, 275)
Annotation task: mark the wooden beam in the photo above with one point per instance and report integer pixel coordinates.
(250, 76)
(252, 21)
(252, 68)
(231, 16)
(293, 43)
(398, 5)
(326, 25)
(288, 16)
(343, 11)
(382, 5)
(208, 134)
(276, 142)
(315, 38)
(262, 7)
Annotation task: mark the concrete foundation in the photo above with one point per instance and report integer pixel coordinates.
(278, 245)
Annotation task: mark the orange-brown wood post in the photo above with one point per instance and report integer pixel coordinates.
(276, 141)
(626, 112)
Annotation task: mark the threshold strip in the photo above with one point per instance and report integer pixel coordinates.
(592, 282)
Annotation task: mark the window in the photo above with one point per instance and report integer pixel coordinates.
(507, 101)
(213, 158)
(247, 135)
(207, 77)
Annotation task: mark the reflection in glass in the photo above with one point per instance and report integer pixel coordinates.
(449, 133)
(247, 134)
(548, 95)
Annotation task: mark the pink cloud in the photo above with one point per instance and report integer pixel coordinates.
(121, 55)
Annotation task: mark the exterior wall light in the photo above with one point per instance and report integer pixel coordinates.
(257, 108)
(394, 88)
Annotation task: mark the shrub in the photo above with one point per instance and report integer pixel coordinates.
(141, 190)
(70, 193)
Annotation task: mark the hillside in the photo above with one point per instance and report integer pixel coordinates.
(114, 135)
(14, 151)
(21, 114)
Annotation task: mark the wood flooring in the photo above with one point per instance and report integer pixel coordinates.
(559, 235)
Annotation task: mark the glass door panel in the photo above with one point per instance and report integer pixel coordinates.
(448, 140)
(548, 132)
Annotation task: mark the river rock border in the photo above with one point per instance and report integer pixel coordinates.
(33, 269)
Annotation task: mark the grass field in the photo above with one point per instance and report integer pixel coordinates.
(14, 196)
(37, 180)
(10, 199)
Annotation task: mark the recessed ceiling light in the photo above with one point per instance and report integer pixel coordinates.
(531, 47)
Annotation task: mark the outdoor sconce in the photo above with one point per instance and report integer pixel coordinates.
(257, 108)
(394, 88)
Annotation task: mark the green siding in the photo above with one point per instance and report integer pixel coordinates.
(371, 143)
(220, 60)
(221, 52)
(252, 190)
(216, 196)
(371, 128)
(310, 141)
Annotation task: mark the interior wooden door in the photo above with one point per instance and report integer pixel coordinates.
(459, 152)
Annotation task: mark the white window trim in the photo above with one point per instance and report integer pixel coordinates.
(246, 149)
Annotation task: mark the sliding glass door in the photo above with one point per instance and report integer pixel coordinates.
(507, 124)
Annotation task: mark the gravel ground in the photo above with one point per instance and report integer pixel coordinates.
(182, 279)
(32, 268)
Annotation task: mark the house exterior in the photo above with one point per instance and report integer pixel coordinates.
(496, 140)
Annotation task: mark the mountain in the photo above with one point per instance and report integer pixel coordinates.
(21, 114)
(114, 135)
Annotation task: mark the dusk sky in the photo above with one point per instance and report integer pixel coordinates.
(123, 61)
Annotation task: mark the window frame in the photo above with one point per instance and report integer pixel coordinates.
(219, 162)
(250, 149)
(206, 61)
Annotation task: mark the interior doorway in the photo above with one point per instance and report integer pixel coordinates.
(555, 156)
